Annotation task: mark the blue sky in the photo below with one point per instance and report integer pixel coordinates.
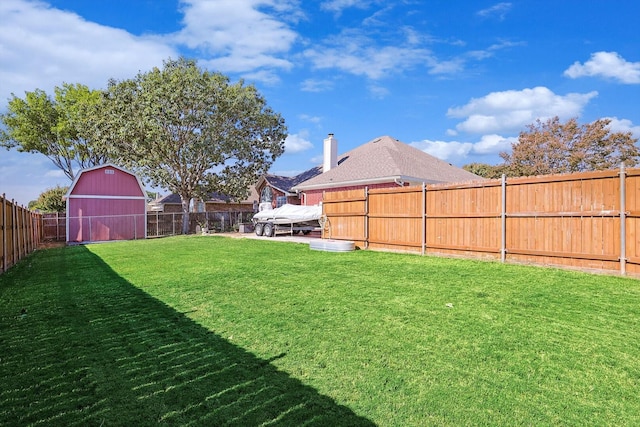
(458, 79)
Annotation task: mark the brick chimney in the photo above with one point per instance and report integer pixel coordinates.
(330, 153)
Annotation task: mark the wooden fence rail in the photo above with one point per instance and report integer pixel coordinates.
(20, 233)
(584, 220)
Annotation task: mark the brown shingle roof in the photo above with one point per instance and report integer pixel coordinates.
(214, 197)
(286, 183)
(386, 159)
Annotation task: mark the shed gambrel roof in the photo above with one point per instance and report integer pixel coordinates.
(386, 159)
(84, 172)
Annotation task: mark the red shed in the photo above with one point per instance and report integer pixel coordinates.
(106, 202)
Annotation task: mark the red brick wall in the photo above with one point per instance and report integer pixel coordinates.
(293, 200)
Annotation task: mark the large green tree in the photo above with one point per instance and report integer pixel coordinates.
(190, 131)
(553, 147)
(54, 127)
(51, 200)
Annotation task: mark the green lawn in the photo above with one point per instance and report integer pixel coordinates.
(219, 331)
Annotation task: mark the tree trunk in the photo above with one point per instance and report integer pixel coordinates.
(185, 214)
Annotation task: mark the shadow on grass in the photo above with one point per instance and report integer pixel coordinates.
(92, 349)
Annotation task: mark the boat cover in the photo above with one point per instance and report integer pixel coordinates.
(293, 213)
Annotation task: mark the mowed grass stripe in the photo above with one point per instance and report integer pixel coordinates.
(388, 338)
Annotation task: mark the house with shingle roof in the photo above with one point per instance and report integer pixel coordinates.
(215, 202)
(276, 190)
(382, 162)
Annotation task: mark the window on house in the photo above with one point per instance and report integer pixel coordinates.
(266, 195)
(281, 201)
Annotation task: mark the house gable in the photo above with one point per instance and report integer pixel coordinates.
(283, 186)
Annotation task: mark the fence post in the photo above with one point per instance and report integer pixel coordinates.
(424, 218)
(366, 217)
(503, 220)
(322, 233)
(25, 231)
(623, 221)
(36, 228)
(4, 232)
(14, 233)
(31, 231)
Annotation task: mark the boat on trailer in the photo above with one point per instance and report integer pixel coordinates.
(287, 218)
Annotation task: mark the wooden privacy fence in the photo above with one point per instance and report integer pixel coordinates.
(584, 220)
(20, 233)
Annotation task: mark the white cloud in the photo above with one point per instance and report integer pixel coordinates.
(512, 110)
(315, 85)
(355, 53)
(43, 47)
(608, 65)
(238, 35)
(317, 160)
(337, 6)
(242, 64)
(295, 143)
(498, 10)
(56, 173)
(308, 118)
(458, 64)
(378, 92)
(268, 77)
(445, 67)
(360, 52)
(493, 144)
(444, 150)
(413, 36)
(623, 125)
(374, 62)
(491, 50)
(455, 150)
